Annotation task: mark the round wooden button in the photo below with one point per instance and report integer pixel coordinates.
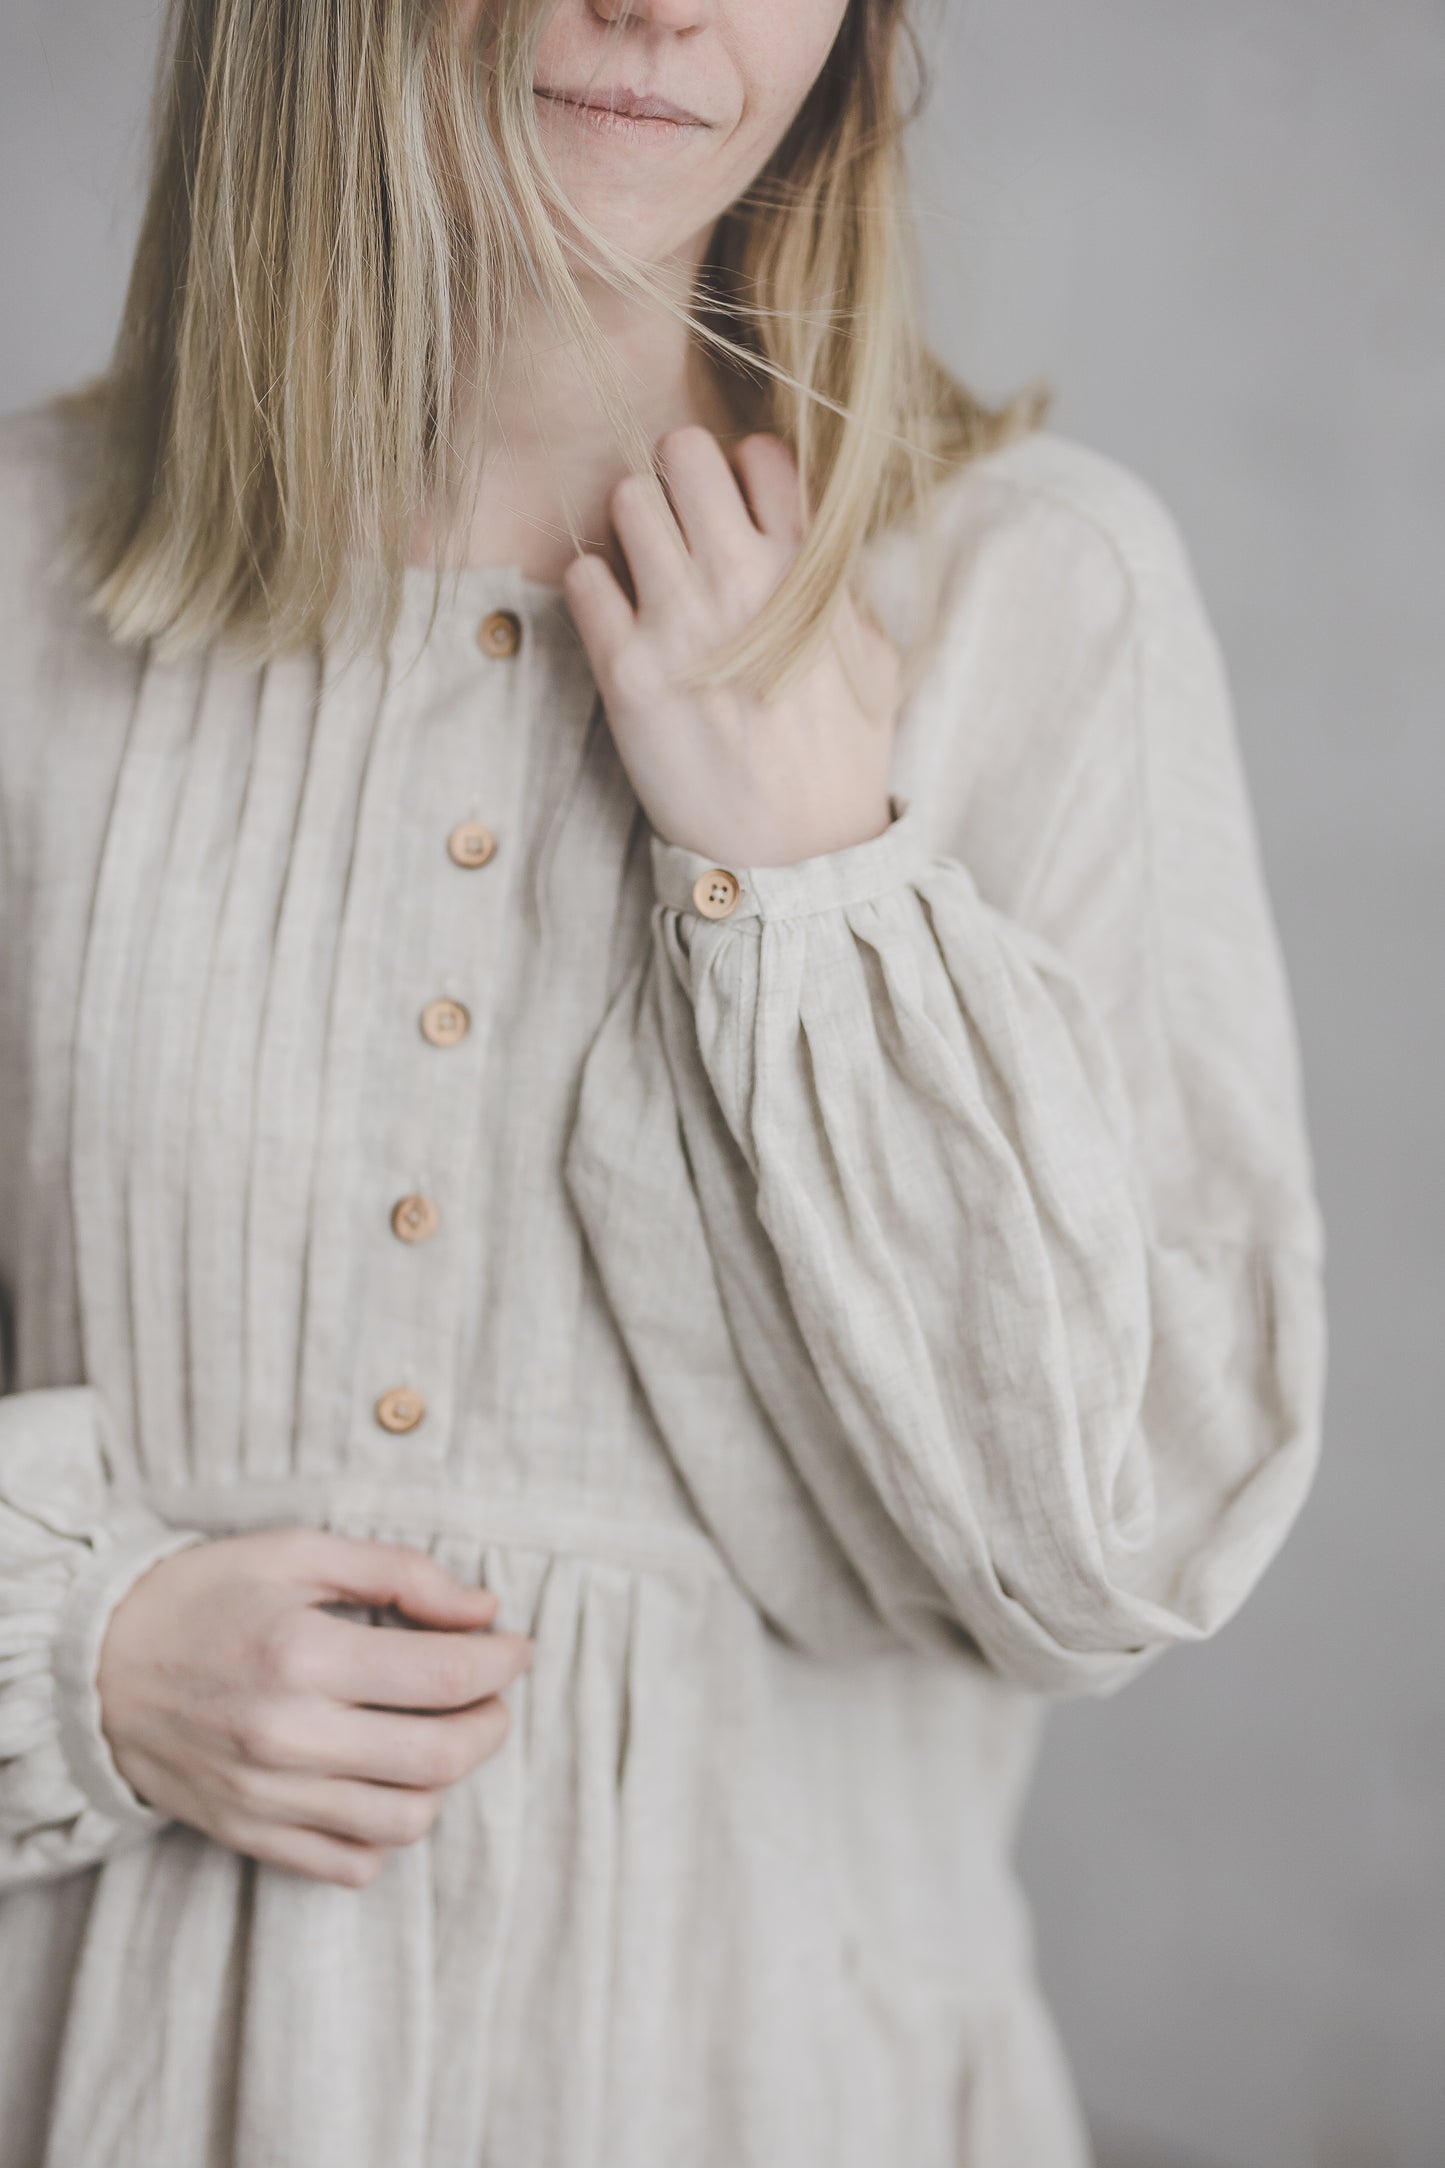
(414, 1217)
(400, 1409)
(444, 1022)
(716, 892)
(471, 843)
(500, 634)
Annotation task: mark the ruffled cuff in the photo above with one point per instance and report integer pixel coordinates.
(685, 880)
(70, 1550)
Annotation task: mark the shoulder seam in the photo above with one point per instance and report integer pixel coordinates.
(996, 468)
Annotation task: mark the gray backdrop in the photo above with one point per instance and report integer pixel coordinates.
(1217, 229)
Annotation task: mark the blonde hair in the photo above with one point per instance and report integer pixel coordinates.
(348, 202)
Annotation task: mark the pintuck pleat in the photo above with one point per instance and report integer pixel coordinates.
(272, 721)
(835, 1304)
(113, 1065)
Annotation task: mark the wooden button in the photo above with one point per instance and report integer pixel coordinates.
(716, 892)
(500, 634)
(471, 843)
(444, 1022)
(414, 1217)
(400, 1409)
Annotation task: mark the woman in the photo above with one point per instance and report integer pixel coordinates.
(704, 1112)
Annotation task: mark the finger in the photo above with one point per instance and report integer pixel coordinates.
(603, 615)
(367, 1813)
(318, 1737)
(386, 1746)
(711, 509)
(657, 557)
(423, 1750)
(429, 1749)
(772, 485)
(393, 1573)
(387, 1667)
(305, 1851)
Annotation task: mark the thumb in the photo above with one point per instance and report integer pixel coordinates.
(399, 1574)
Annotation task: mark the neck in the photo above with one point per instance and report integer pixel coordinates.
(547, 445)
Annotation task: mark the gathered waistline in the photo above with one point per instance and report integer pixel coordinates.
(556, 1523)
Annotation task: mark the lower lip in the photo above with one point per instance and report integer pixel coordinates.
(632, 127)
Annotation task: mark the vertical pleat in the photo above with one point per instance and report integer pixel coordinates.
(655, 2107)
(476, 1844)
(644, 1930)
(362, 781)
(221, 1140)
(149, 2040)
(474, 1894)
(331, 906)
(760, 2025)
(57, 844)
(172, 1001)
(549, 2038)
(42, 1932)
(338, 2026)
(110, 1062)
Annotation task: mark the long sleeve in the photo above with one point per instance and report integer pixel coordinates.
(966, 1243)
(69, 1551)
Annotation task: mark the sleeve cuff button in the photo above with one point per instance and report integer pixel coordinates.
(716, 892)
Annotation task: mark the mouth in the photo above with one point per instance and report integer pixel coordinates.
(621, 111)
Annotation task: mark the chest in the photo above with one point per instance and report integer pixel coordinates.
(300, 968)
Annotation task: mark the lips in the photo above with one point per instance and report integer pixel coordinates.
(631, 104)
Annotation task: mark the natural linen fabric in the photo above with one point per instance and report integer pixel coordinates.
(852, 1321)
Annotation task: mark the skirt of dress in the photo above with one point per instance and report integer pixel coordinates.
(696, 1910)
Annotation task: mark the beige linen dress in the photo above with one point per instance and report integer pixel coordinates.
(867, 1297)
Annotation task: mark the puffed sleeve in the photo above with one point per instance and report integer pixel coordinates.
(69, 1551)
(965, 1244)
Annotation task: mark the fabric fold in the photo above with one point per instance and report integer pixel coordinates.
(588, 1898)
(1003, 1234)
(69, 1552)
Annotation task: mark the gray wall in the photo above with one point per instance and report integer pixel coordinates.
(1218, 230)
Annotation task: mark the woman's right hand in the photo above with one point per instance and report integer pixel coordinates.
(232, 1702)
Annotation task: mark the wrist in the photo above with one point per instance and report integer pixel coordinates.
(711, 888)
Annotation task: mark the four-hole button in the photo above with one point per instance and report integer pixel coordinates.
(716, 892)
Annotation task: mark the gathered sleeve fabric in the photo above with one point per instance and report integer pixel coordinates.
(69, 1551)
(966, 1243)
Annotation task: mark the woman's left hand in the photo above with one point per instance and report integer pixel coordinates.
(745, 781)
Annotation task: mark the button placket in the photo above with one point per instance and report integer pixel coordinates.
(467, 725)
